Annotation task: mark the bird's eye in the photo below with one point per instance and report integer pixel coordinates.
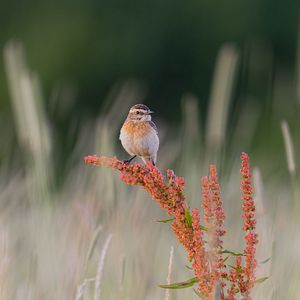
(137, 112)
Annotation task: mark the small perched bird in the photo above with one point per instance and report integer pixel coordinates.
(139, 134)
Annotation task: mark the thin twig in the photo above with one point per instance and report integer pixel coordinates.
(167, 294)
(100, 268)
(81, 288)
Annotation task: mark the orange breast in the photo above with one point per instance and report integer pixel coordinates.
(137, 130)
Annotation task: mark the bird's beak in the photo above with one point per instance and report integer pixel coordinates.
(150, 112)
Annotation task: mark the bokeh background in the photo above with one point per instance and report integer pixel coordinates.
(221, 77)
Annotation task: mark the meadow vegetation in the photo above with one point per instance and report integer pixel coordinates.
(92, 237)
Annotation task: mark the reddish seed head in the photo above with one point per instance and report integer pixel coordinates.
(168, 192)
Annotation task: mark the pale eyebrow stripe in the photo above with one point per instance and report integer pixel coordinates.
(140, 110)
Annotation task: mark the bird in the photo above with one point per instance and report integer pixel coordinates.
(139, 135)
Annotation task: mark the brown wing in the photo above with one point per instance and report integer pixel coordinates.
(153, 126)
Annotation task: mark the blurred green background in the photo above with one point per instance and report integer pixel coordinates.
(169, 45)
(81, 49)
(221, 77)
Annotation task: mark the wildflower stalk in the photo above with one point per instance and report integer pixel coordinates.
(206, 256)
(214, 217)
(242, 278)
(249, 226)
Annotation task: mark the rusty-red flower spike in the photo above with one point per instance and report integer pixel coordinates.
(206, 202)
(206, 256)
(249, 226)
(218, 216)
(217, 208)
(199, 255)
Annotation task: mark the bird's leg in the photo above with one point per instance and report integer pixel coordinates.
(129, 160)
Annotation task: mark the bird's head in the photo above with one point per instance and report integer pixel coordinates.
(140, 113)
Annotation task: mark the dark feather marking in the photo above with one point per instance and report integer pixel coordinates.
(152, 124)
